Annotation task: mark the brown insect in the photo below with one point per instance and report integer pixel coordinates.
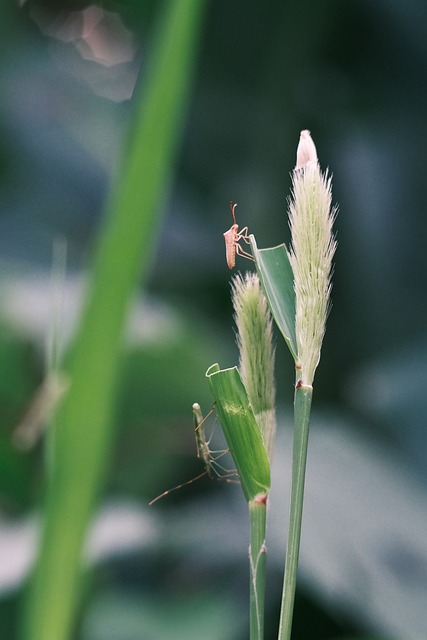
(232, 238)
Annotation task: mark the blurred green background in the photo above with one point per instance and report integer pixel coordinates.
(354, 74)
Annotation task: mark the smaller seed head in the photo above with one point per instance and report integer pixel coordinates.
(255, 342)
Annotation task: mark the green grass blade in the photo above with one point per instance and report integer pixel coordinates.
(241, 430)
(84, 419)
(277, 279)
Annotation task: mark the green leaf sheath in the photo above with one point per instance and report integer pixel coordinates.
(246, 445)
(241, 430)
(302, 408)
(276, 276)
(83, 423)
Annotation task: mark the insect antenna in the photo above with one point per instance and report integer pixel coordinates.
(232, 207)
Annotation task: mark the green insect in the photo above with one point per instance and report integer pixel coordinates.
(213, 469)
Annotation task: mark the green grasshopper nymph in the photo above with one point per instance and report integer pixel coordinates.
(213, 469)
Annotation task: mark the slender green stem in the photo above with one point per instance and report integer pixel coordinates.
(302, 406)
(257, 557)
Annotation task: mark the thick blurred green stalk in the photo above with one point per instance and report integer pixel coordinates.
(83, 424)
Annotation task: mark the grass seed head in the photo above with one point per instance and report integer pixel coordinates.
(256, 351)
(311, 218)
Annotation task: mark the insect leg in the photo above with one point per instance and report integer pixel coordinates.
(178, 486)
(243, 235)
(243, 253)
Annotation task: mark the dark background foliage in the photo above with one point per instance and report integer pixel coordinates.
(354, 74)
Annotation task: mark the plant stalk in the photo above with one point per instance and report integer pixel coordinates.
(257, 558)
(302, 407)
(84, 419)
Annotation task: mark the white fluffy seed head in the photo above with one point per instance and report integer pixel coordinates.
(311, 218)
